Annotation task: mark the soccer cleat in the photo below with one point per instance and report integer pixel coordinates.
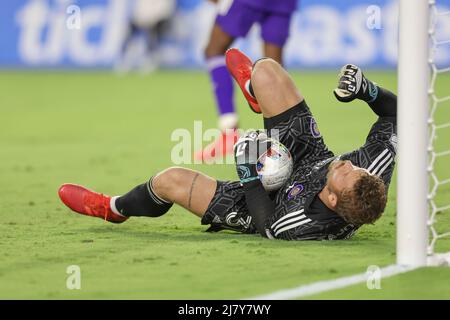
(352, 84)
(221, 147)
(240, 67)
(88, 202)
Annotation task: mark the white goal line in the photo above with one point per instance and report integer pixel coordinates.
(327, 285)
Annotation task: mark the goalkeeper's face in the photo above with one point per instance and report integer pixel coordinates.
(353, 193)
(342, 175)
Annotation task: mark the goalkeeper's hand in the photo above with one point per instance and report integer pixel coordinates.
(246, 153)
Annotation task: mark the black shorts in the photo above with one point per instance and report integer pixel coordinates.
(228, 209)
(298, 131)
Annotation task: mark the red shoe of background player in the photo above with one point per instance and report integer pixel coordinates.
(88, 202)
(221, 147)
(240, 67)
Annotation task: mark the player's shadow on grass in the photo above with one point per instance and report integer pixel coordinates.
(195, 235)
(192, 235)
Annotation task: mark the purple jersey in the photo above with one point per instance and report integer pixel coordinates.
(273, 16)
(281, 6)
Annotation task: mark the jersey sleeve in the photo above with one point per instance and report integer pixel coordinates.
(378, 153)
(331, 229)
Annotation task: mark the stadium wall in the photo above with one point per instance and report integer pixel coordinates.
(324, 34)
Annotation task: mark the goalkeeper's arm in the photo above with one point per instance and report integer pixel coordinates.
(246, 152)
(385, 104)
(259, 205)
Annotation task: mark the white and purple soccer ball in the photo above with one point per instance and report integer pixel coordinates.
(274, 166)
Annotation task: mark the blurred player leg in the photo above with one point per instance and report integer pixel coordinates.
(275, 26)
(275, 32)
(141, 44)
(220, 77)
(125, 61)
(223, 92)
(234, 20)
(273, 51)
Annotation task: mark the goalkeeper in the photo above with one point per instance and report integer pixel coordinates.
(327, 196)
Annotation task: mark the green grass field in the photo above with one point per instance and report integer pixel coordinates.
(111, 133)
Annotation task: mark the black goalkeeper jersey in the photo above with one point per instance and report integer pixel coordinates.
(296, 218)
(299, 215)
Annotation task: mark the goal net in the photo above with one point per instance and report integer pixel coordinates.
(423, 195)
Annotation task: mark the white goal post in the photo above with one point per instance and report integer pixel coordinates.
(416, 209)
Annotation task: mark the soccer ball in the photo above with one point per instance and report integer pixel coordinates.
(274, 166)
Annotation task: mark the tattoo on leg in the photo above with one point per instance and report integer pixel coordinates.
(192, 188)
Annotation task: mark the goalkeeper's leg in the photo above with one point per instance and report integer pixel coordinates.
(266, 85)
(187, 188)
(273, 88)
(190, 189)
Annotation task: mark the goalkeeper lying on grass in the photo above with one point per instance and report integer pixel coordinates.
(326, 197)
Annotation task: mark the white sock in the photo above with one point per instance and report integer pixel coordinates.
(228, 121)
(247, 88)
(112, 204)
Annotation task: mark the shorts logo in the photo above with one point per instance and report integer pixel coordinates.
(314, 128)
(233, 220)
(295, 190)
(217, 219)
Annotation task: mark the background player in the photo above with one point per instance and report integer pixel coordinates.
(328, 197)
(149, 21)
(234, 20)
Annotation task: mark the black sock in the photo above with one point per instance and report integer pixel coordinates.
(142, 202)
(250, 89)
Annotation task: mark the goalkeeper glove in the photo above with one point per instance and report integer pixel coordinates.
(247, 151)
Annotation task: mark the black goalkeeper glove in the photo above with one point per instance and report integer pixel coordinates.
(247, 150)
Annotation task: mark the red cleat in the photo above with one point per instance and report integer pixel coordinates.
(221, 147)
(240, 67)
(88, 202)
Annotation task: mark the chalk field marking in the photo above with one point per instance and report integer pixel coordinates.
(322, 286)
